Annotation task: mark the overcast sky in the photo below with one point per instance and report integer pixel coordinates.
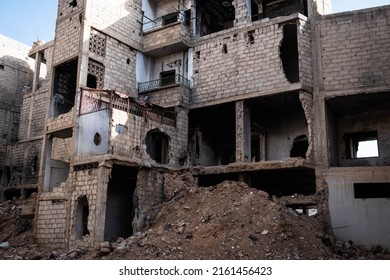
(29, 20)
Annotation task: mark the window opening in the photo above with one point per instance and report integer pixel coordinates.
(170, 18)
(361, 145)
(371, 190)
(167, 77)
(64, 90)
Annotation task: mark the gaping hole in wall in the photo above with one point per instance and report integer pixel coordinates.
(212, 133)
(284, 182)
(157, 146)
(214, 15)
(300, 145)
(64, 89)
(82, 213)
(371, 190)
(275, 123)
(97, 139)
(276, 8)
(289, 53)
(72, 3)
(361, 144)
(122, 202)
(57, 159)
(358, 130)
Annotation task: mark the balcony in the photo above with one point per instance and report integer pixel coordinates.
(166, 34)
(163, 82)
(150, 24)
(167, 91)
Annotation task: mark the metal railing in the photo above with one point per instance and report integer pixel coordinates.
(166, 81)
(151, 24)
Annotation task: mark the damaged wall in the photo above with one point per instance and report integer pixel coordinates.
(124, 22)
(354, 50)
(246, 62)
(364, 221)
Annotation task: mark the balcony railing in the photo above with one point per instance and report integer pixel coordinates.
(167, 81)
(151, 24)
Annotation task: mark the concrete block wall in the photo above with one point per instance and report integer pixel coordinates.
(68, 38)
(119, 65)
(354, 50)
(85, 183)
(60, 122)
(132, 142)
(51, 219)
(120, 19)
(150, 193)
(169, 97)
(62, 149)
(66, 8)
(305, 50)
(23, 159)
(167, 35)
(245, 68)
(16, 78)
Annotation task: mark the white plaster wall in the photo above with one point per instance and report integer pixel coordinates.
(149, 7)
(144, 64)
(364, 221)
(90, 124)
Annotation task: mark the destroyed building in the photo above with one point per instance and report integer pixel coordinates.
(279, 94)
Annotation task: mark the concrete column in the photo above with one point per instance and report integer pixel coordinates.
(37, 71)
(243, 132)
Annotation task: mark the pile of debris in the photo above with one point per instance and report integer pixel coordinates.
(226, 221)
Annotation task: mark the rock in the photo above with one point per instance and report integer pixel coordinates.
(264, 232)
(105, 247)
(121, 250)
(348, 244)
(4, 245)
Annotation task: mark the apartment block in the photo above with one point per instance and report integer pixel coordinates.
(281, 94)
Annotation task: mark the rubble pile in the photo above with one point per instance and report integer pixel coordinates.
(226, 221)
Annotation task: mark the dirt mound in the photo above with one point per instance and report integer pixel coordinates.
(226, 221)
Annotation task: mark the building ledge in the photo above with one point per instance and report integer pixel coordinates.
(238, 167)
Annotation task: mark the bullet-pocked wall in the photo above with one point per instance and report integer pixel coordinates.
(119, 19)
(252, 61)
(354, 50)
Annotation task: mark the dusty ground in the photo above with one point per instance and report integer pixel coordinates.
(227, 221)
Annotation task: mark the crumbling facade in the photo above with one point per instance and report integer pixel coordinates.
(278, 94)
(18, 120)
